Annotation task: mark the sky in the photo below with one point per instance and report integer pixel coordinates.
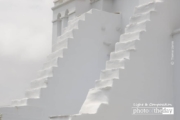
(25, 41)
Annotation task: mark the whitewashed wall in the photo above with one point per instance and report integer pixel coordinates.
(149, 67)
(126, 8)
(176, 60)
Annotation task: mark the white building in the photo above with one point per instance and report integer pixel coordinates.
(107, 56)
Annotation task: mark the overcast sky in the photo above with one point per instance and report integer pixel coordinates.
(25, 41)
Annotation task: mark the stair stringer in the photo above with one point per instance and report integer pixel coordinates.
(141, 80)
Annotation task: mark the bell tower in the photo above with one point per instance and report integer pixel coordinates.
(66, 10)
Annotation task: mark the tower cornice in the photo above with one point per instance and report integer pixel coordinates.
(59, 3)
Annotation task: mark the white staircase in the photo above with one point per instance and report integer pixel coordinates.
(100, 94)
(52, 61)
(51, 83)
(113, 95)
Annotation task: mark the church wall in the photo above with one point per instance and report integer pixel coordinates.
(176, 59)
(126, 8)
(97, 5)
(63, 8)
(148, 76)
(60, 10)
(108, 5)
(173, 21)
(82, 6)
(54, 33)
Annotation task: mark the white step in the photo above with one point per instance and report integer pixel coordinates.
(13, 117)
(115, 64)
(140, 26)
(130, 45)
(56, 54)
(51, 63)
(90, 11)
(60, 117)
(22, 113)
(130, 36)
(45, 73)
(72, 20)
(109, 74)
(60, 45)
(64, 117)
(120, 55)
(81, 17)
(145, 8)
(19, 102)
(33, 93)
(104, 83)
(68, 34)
(140, 17)
(73, 25)
(95, 98)
(39, 83)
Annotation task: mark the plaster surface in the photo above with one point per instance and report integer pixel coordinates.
(128, 43)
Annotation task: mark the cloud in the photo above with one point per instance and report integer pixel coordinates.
(25, 28)
(25, 41)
